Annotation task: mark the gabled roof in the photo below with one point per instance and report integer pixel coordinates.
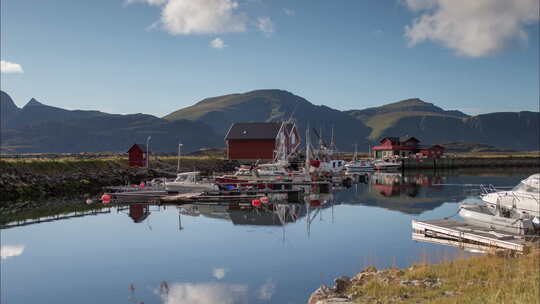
(254, 130)
(399, 140)
(140, 146)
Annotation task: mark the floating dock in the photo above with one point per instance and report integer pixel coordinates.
(452, 232)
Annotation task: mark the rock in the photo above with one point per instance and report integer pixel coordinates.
(342, 284)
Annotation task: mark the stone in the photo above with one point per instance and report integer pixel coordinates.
(342, 284)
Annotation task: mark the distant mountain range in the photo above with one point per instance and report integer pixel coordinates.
(41, 128)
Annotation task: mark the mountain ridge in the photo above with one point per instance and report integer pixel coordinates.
(210, 118)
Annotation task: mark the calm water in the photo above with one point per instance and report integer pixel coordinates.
(203, 254)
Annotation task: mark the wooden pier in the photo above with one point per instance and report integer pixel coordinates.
(455, 232)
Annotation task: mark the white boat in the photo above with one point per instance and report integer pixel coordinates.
(190, 181)
(525, 197)
(359, 166)
(498, 220)
(387, 164)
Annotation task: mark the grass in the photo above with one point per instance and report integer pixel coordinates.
(477, 279)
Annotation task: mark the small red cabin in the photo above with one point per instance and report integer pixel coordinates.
(137, 155)
(406, 146)
(435, 151)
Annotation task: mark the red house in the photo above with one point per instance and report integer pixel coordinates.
(250, 141)
(405, 146)
(137, 155)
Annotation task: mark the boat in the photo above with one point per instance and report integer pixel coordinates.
(190, 181)
(524, 197)
(359, 166)
(262, 173)
(498, 220)
(387, 164)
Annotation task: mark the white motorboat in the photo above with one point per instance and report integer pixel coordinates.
(387, 164)
(190, 181)
(499, 220)
(359, 166)
(524, 198)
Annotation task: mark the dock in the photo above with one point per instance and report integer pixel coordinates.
(455, 233)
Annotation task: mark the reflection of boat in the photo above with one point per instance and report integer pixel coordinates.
(190, 181)
(525, 197)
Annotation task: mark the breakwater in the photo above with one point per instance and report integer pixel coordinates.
(471, 162)
(41, 179)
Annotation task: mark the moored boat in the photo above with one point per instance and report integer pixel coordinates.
(190, 181)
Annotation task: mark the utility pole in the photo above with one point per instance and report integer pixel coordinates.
(179, 154)
(148, 152)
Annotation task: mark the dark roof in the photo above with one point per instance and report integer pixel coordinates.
(398, 140)
(403, 139)
(140, 146)
(254, 130)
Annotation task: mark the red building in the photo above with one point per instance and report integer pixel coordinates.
(137, 155)
(250, 141)
(405, 146)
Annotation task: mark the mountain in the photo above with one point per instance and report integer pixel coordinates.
(385, 117)
(7, 108)
(275, 105)
(42, 128)
(34, 113)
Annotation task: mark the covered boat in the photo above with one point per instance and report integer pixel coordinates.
(525, 197)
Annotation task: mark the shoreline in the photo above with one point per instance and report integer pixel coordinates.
(497, 278)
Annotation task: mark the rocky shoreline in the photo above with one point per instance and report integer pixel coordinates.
(502, 277)
(31, 180)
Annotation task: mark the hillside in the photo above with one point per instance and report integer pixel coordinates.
(275, 105)
(385, 117)
(42, 128)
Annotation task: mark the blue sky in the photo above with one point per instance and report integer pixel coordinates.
(156, 56)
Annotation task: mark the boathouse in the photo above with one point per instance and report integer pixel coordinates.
(252, 141)
(137, 155)
(406, 146)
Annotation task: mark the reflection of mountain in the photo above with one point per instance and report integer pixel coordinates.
(411, 194)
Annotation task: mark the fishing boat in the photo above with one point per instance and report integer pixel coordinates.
(190, 181)
(387, 164)
(524, 198)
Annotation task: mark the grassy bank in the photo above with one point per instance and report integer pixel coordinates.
(474, 279)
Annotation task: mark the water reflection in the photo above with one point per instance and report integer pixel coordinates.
(412, 193)
(9, 251)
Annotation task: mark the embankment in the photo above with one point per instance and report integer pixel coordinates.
(472, 162)
(46, 178)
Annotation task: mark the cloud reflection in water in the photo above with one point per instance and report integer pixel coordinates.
(9, 251)
(205, 293)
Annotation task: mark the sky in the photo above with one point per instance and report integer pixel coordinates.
(157, 56)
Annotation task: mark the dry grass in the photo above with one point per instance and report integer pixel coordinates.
(478, 279)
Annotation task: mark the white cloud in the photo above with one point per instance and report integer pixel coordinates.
(184, 17)
(217, 43)
(205, 293)
(219, 273)
(9, 251)
(266, 291)
(472, 28)
(289, 12)
(10, 67)
(151, 2)
(265, 25)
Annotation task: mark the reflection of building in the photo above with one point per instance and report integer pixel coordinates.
(261, 140)
(139, 212)
(405, 146)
